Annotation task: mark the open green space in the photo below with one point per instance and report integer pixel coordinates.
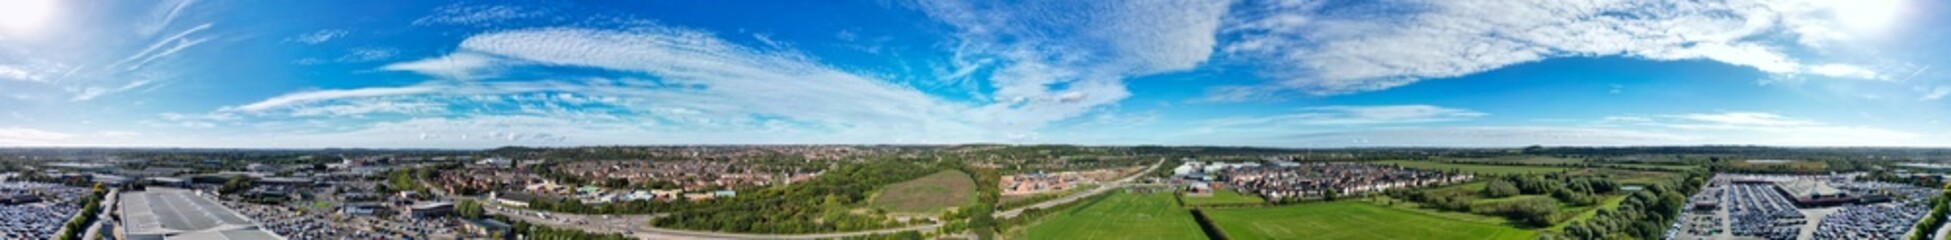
(1121, 216)
(1522, 159)
(1351, 220)
(1221, 197)
(1474, 168)
(932, 193)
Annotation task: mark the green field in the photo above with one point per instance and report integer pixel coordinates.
(1474, 168)
(929, 194)
(1351, 220)
(1526, 159)
(1222, 197)
(1121, 216)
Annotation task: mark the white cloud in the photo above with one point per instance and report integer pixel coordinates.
(368, 54)
(1340, 116)
(1771, 129)
(1745, 119)
(175, 43)
(160, 17)
(1323, 48)
(1936, 93)
(1056, 60)
(15, 73)
(29, 136)
(460, 14)
(1475, 137)
(460, 65)
(320, 95)
(320, 36)
(1846, 71)
(702, 84)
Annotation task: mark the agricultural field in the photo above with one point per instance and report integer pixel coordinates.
(1121, 216)
(1474, 168)
(1522, 159)
(1222, 197)
(1351, 220)
(928, 194)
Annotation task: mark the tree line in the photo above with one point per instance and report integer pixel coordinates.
(823, 204)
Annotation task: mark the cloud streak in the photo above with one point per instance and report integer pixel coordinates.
(1320, 47)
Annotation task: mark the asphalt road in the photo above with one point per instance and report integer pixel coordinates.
(1101, 188)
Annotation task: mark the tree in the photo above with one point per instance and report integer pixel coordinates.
(1500, 188)
(469, 209)
(236, 184)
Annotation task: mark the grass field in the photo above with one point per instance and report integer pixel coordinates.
(1526, 159)
(1351, 220)
(1222, 197)
(929, 194)
(1474, 168)
(1121, 216)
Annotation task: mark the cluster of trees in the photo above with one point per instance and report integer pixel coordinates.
(236, 184)
(1927, 228)
(1531, 211)
(469, 209)
(1577, 190)
(91, 205)
(1497, 188)
(541, 232)
(1644, 214)
(824, 204)
(1435, 199)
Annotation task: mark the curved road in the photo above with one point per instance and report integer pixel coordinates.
(1074, 197)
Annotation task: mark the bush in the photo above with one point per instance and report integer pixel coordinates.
(1501, 188)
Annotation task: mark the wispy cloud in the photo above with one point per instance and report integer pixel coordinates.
(1339, 116)
(1054, 60)
(30, 136)
(703, 83)
(317, 37)
(162, 48)
(462, 14)
(1321, 48)
(460, 65)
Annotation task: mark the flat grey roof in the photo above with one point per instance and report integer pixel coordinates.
(182, 214)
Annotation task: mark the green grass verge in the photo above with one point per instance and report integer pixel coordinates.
(1121, 216)
(1351, 220)
(928, 194)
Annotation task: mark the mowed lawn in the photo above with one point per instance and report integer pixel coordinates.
(1121, 216)
(1474, 168)
(1351, 220)
(929, 194)
(1222, 197)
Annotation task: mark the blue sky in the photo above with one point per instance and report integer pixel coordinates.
(475, 74)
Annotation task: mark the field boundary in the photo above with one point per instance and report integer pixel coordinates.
(1206, 225)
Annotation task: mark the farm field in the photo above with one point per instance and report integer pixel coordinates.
(1522, 160)
(928, 194)
(1121, 216)
(1351, 220)
(1221, 197)
(1474, 168)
